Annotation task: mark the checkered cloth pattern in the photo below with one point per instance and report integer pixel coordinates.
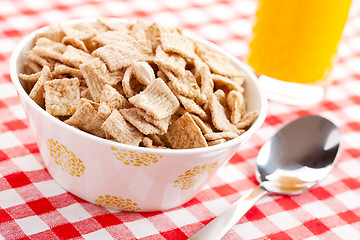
(33, 206)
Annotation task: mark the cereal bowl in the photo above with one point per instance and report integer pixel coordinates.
(125, 177)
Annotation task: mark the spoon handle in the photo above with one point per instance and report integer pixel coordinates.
(218, 227)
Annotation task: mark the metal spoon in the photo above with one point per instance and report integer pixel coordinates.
(295, 159)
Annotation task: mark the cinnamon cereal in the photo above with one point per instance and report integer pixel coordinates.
(137, 83)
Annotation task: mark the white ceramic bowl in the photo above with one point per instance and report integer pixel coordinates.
(125, 177)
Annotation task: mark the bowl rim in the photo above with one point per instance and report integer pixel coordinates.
(231, 143)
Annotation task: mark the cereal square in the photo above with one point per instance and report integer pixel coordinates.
(177, 43)
(87, 119)
(217, 62)
(111, 99)
(37, 92)
(95, 72)
(132, 116)
(61, 96)
(156, 100)
(218, 116)
(122, 131)
(185, 134)
(75, 57)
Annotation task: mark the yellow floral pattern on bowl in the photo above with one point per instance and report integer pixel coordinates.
(65, 158)
(117, 203)
(192, 177)
(135, 159)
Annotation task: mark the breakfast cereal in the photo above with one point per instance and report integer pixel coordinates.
(144, 73)
(61, 96)
(184, 133)
(157, 100)
(37, 92)
(122, 130)
(132, 116)
(87, 119)
(236, 104)
(137, 83)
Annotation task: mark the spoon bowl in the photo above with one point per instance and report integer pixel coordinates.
(294, 160)
(298, 156)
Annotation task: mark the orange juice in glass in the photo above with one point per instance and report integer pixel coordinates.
(295, 41)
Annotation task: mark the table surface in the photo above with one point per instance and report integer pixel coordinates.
(33, 206)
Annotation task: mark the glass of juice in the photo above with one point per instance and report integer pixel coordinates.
(293, 47)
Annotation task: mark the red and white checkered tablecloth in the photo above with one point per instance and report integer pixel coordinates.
(33, 206)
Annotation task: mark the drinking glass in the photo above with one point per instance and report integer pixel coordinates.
(293, 47)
